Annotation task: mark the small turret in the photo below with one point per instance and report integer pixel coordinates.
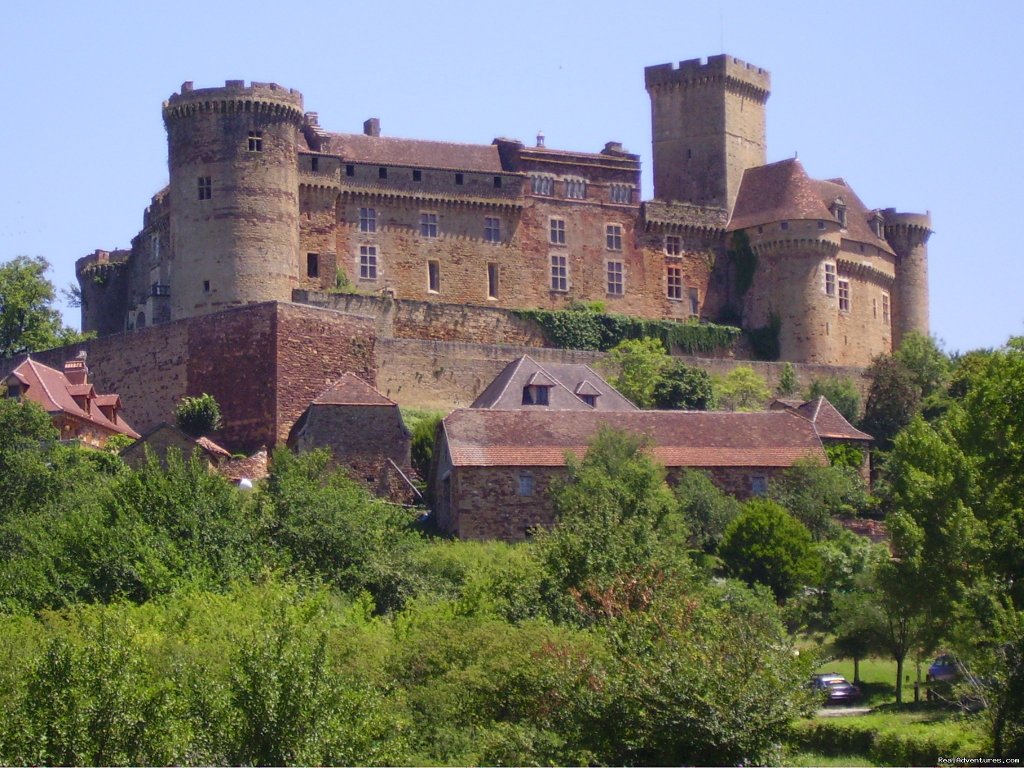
(908, 235)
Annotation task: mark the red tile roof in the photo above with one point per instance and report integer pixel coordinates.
(481, 438)
(50, 389)
(386, 150)
(783, 191)
(829, 422)
(351, 390)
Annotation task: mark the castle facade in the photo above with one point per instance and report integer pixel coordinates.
(263, 202)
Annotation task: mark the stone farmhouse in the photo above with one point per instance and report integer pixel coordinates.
(265, 205)
(78, 412)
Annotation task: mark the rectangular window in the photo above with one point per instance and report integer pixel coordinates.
(621, 193)
(458, 179)
(558, 232)
(575, 188)
(492, 230)
(206, 286)
(559, 273)
(367, 262)
(205, 188)
(613, 237)
(312, 265)
(830, 279)
(783, 225)
(844, 295)
(885, 307)
(428, 224)
(314, 163)
(497, 182)
(350, 170)
(615, 287)
(367, 219)
(492, 281)
(433, 276)
(382, 173)
(694, 302)
(673, 245)
(526, 484)
(542, 185)
(255, 141)
(417, 175)
(675, 283)
(759, 485)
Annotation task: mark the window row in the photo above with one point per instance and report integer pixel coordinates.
(576, 189)
(837, 287)
(676, 291)
(369, 270)
(367, 221)
(386, 172)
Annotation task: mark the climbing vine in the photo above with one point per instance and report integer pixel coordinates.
(581, 328)
(744, 261)
(764, 341)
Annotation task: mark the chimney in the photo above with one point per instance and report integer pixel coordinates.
(76, 371)
(612, 148)
(540, 139)
(372, 127)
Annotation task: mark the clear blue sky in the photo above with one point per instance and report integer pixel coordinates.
(916, 104)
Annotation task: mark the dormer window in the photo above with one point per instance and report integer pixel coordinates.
(590, 400)
(878, 226)
(13, 390)
(535, 394)
(839, 211)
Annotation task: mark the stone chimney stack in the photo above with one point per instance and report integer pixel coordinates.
(372, 127)
(76, 371)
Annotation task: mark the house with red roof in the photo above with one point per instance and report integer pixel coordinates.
(365, 434)
(493, 468)
(831, 426)
(77, 410)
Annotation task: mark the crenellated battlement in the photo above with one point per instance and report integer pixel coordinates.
(915, 225)
(101, 260)
(235, 96)
(699, 72)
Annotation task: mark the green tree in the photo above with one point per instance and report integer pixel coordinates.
(767, 545)
(683, 387)
(423, 426)
(198, 416)
(787, 381)
(815, 495)
(28, 320)
(640, 363)
(841, 392)
(616, 519)
(893, 400)
(706, 509)
(929, 366)
(742, 390)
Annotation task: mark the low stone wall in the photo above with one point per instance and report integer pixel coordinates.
(445, 375)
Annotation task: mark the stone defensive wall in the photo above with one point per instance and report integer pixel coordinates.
(262, 362)
(443, 375)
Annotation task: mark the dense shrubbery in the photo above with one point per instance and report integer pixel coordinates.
(583, 328)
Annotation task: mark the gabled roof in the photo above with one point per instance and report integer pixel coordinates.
(387, 150)
(828, 422)
(50, 389)
(783, 191)
(505, 392)
(351, 390)
(483, 438)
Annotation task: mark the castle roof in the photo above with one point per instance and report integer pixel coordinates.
(783, 191)
(568, 382)
(52, 390)
(527, 438)
(388, 150)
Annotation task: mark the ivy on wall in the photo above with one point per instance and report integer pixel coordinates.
(744, 261)
(583, 328)
(764, 341)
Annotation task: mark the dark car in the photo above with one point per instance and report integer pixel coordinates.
(945, 669)
(837, 689)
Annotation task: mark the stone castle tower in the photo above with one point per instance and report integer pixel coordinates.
(234, 180)
(264, 204)
(707, 126)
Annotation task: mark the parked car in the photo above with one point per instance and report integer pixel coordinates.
(945, 669)
(836, 688)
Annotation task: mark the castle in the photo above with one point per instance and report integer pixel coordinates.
(263, 204)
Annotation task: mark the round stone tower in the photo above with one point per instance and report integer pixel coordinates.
(908, 235)
(234, 221)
